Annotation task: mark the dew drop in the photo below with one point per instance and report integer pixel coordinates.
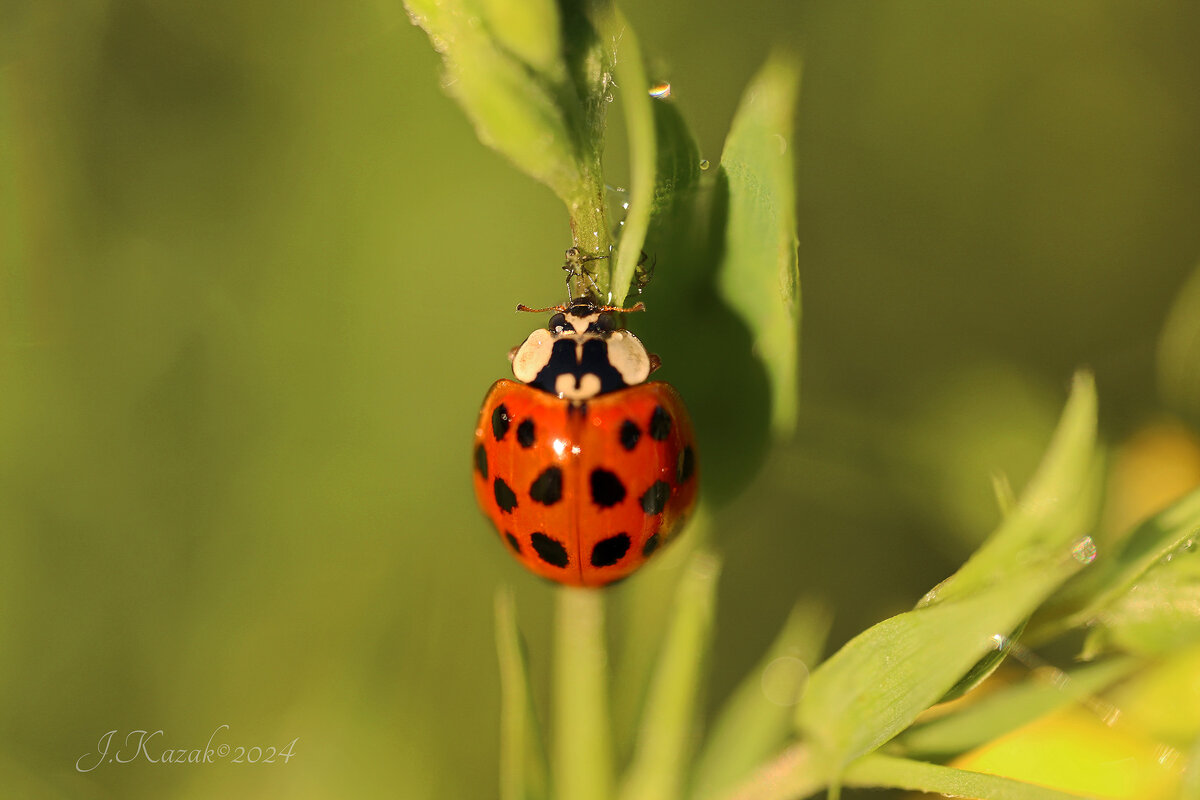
(660, 91)
(704, 163)
(1084, 550)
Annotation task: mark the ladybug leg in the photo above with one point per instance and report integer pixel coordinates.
(655, 362)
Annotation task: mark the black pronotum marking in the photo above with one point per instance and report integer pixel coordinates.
(513, 543)
(630, 434)
(655, 498)
(504, 496)
(607, 489)
(500, 421)
(481, 460)
(549, 550)
(609, 551)
(650, 546)
(547, 487)
(660, 424)
(687, 464)
(525, 433)
(594, 361)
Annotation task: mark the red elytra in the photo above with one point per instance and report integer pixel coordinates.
(584, 484)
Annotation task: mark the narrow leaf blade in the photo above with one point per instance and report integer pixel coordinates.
(522, 759)
(1056, 507)
(639, 123)
(917, 776)
(661, 758)
(877, 684)
(1114, 574)
(759, 276)
(1009, 708)
(752, 725)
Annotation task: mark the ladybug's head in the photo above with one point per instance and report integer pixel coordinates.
(581, 353)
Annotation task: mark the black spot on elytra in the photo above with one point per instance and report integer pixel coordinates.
(525, 434)
(549, 549)
(630, 434)
(500, 421)
(655, 498)
(547, 487)
(650, 546)
(504, 496)
(687, 464)
(513, 543)
(607, 489)
(481, 460)
(660, 424)
(609, 551)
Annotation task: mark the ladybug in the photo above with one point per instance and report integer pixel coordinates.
(584, 467)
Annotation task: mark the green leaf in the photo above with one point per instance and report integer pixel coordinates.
(660, 759)
(639, 122)
(759, 276)
(877, 684)
(756, 720)
(583, 760)
(984, 668)
(1160, 613)
(1179, 351)
(678, 171)
(646, 605)
(1056, 508)
(917, 776)
(527, 110)
(1087, 597)
(1007, 709)
(522, 759)
(530, 31)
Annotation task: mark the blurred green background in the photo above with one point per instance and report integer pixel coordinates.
(256, 274)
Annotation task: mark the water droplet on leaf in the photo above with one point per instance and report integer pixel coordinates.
(1084, 550)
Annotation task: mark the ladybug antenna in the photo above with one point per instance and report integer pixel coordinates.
(562, 308)
(617, 309)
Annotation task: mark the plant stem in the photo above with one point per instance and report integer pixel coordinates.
(583, 760)
(590, 233)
